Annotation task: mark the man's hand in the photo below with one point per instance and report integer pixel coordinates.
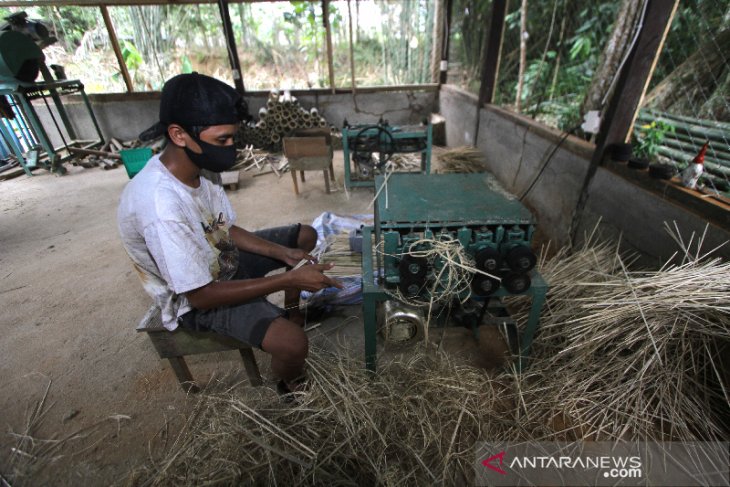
(293, 256)
(311, 277)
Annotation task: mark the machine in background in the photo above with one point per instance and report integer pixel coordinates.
(493, 228)
(21, 61)
(368, 148)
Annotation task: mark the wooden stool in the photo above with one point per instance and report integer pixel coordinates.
(174, 345)
(309, 154)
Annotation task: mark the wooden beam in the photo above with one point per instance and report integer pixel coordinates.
(490, 65)
(92, 152)
(231, 46)
(98, 3)
(633, 80)
(117, 50)
(328, 34)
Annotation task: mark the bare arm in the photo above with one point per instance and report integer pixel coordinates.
(248, 242)
(226, 293)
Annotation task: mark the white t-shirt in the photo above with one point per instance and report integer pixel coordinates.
(177, 236)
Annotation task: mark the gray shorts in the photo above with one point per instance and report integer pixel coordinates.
(247, 322)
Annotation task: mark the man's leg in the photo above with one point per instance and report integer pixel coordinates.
(261, 325)
(288, 345)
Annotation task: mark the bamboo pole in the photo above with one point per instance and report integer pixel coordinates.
(328, 35)
(352, 54)
(117, 50)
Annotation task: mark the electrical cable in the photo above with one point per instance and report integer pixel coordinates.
(545, 164)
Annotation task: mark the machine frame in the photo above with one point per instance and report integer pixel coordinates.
(418, 201)
(396, 133)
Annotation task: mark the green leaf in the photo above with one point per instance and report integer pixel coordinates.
(187, 66)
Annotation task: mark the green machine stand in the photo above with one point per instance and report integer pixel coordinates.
(367, 148)
(467, 205)
(21, 61)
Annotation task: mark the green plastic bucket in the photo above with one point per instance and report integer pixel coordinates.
(135, 159)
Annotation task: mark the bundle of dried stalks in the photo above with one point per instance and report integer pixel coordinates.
(405, 162)
(337, 252)
(632, 355)
(462, 160)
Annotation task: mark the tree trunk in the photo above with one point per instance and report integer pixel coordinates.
(559, 50)
(523, 55)
(697, 82)
(613, 53)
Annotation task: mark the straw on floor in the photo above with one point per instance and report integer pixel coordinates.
(621, 355)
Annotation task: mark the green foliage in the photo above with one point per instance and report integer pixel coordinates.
(187, 66)
(130, 54)
(470, 24)
(72, 22)
(648, 138)
(692, 24)
(562, 56)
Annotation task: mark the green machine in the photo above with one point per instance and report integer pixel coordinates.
(21, 61)
(493, 228)
(368, 148)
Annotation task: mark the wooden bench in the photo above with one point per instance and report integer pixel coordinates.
(175, 345)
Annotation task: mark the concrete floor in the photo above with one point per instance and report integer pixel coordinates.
(70, 302)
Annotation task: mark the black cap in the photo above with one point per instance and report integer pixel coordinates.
(196, 100)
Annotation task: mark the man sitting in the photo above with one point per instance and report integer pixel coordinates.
(203, 271)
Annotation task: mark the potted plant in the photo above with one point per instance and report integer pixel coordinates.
(647, 141)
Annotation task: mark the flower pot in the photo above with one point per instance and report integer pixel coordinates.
(662, 171)
(638, 164)
(620, 153)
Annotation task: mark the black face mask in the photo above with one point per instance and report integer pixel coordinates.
(215, 158)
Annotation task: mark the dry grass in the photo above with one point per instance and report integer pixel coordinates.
(621, 355)
(31, 454)
(462, 160)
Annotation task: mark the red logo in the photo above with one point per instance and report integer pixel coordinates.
(487, 463)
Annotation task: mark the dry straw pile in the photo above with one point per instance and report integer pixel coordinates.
(462, 160)
(621, 355)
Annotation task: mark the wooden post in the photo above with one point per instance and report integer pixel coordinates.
(446, 35)
(631, 86)
(328, 35)
(117, 50)
(352, 52)
(252, 368)
(490, 66)
(438, 39)
(231, 46)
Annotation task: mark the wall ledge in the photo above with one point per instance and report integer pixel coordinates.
(461, 92)
(574, 144)
(155, 95)
(703, 205)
